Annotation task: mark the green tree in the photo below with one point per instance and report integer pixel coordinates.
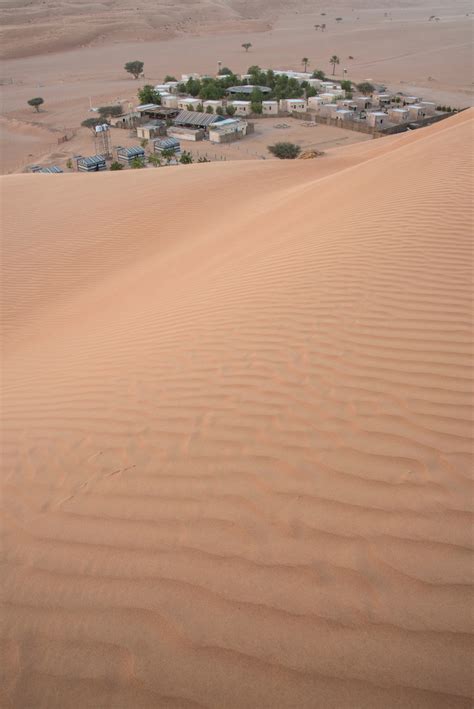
(346, 85)
(190, 107)
(137, 163)
(285, 151)
(186, 158)
(256, 107)
(220, 111)
(224, 71)
(319, 74)
(305, 62)
(147, 94)
(199, 107)
(135, 68)
(154, 160)
(91, 123)
(169, 78)
(230, 110)
(168, 154)
(334, 61)
(36, 102)
(246, 46)
(366, 88)
(110, 111)
(116, 165)
(209, 109)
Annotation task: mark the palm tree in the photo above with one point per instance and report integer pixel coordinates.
(246, 46)
(305, 62)
(334, 61)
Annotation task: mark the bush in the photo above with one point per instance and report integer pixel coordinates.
(116, 165)
(230, 110)
(365, 88)
(147, 94)
(256, 107)
(135, 68)
(346, 85)
(186, 158)
(220, 111)
(109, 111)
(203, 159)
(69, 164)
(36, 102)
(225, 70)
(137, 163)
(209, 109)
(319, 74)
(169, 78)
(91, 123)
(285, 151)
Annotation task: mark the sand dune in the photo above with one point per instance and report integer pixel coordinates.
(236, 432)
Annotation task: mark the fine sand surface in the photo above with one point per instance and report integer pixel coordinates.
(395, 44)
(236, 432)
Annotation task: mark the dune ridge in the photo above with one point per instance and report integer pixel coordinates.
(236, 422)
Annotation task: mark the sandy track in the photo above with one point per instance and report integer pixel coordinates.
(236, 404)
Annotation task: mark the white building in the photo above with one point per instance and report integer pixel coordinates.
(228, 130)
(377, 119)
(314, 102)
(429, 106)
(328, 96)
(213, 104)
(327, 110)
(398, 115)
(169, 101)
(270, 108)
(293, 105)
(416, 112)
(363, 102)
(187, 101)
(242, 108)
(343, 115)
(407, 100)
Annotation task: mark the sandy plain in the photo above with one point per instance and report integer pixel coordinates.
(392, 44)
(236, 441)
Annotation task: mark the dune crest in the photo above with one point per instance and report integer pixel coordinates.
(236, 432)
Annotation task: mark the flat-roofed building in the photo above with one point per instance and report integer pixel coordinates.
(270, 108)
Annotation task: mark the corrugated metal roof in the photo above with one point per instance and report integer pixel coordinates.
(54, 169)
(147, 107)
(247, 89)
(92, 160)
(134, 151)
(167, 144)
(195, 118)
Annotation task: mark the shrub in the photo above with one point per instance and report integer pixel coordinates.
(147, 94)
(186, 158)
(135, 68)
(230, 110)
(116, 165)
(319, 74)
(169, 78)
(365, 87)
(285, 151)
(137, 163)
(220, 111)
(209, 109)
(109, 111)
(36, 102)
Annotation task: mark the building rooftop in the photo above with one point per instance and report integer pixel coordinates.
(134, 151)
(195, 118)
(92, 160)
(248, 89)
